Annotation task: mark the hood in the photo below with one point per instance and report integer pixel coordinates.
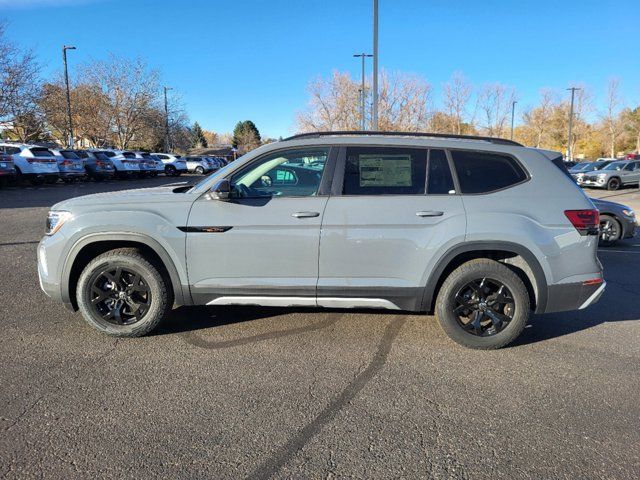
(604, 204)
(166, 193)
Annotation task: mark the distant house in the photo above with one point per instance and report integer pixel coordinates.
(220, 150)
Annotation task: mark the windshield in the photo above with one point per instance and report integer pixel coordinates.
(615, 166)
(580, 166)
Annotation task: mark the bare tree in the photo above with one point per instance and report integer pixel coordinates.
(494, 104)
(611, 119)
(538, 119)
(457, 92)
(404, 102)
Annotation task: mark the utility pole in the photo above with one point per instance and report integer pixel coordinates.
(374, 114)
(167, 139)
(513, 114)
(363, 95)
(66, 80)
(569, 149)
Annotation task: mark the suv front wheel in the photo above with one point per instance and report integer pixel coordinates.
(122, 294)
(483, 304)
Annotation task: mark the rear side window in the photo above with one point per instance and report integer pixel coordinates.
(385, 171)
(41, 152)
(439, 178)
(483, 172)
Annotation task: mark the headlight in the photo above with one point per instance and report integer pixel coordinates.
(55, 220)
(629, 213)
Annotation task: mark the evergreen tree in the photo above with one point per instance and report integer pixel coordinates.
(199, 140)
(246, 135)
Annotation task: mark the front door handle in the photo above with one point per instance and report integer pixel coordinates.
(430, 213)
(305, 214)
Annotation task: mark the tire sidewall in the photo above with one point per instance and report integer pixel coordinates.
(608, 243)
(151, 276)
(462, 276)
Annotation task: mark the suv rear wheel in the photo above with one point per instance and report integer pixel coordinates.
(122, 294)
(483, 304)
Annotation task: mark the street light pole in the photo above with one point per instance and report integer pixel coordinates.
(569, 149)
(167, 139)
(374, 113)
(66, 80)
(513, 114)
(363, 94)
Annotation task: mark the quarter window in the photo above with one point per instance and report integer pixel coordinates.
(482, 172)
(385, 171)
(291, 173)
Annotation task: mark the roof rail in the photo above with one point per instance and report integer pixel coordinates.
(498, 141)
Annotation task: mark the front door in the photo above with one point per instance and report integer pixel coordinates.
(261, 246)
(384, 224)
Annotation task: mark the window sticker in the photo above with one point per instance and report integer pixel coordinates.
(385, 170)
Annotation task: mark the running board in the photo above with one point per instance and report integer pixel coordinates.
(328, 302)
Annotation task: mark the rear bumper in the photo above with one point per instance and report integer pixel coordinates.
(563, 297)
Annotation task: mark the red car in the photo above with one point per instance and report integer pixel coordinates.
(632, 156)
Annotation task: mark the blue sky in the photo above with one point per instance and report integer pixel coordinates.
(250, 59)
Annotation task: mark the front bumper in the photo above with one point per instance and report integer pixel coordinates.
(593, 183)
(563, 297)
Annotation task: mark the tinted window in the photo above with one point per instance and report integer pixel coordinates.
(439, 178)
(82, 154)
(128, 155)
(12, 150)
(291, 173)
(385, 171)
(481, 172)
(69, 155)
(163, 157)
(41, 152)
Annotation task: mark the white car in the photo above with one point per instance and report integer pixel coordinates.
(36, 164)
(124, 167)
(174, 165)
(147, 166)
(157, 163)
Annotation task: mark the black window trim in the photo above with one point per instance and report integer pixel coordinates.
(325, 179)
(455, 173)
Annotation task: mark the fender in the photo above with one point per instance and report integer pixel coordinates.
(541, 284)
(181, 291)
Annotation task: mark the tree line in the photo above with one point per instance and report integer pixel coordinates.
(406, 103)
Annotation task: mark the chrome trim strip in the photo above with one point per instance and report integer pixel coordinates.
(594, 296)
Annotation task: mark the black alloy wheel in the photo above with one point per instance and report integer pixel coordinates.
(484, 307)
(610, 230)
(119, 295)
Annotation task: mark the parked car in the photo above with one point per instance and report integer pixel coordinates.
(97, 165)
(632, 156)
(32, 162)
(199, 165)
(7, 169)
(155, 161)
(483, 231)
(124, 167)
(579, 172)
(70, 165)
(147, 167)
(174, 165)
(617, 222)
(614, 175)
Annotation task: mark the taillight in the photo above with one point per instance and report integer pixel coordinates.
(585, 221)
(66, 163)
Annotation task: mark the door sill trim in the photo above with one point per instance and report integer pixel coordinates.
(328, 302)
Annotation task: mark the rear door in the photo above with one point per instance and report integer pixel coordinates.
(383, 223)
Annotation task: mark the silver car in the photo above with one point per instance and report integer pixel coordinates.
(614, 175)
(482, 231)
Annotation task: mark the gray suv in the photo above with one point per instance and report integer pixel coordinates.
(614, 175)
(481, 231)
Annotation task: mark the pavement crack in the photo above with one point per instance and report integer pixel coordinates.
(272, 465)
(26, 410)
(197, 341)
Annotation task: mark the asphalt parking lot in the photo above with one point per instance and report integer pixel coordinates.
(259, 393)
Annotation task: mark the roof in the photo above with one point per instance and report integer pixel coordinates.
(372, 133)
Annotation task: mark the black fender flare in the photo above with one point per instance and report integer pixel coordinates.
(181, 292)
(541, 284)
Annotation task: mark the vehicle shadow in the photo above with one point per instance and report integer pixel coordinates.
(620, 301)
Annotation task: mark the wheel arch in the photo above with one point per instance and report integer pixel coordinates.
(87, 248)
(519, 258)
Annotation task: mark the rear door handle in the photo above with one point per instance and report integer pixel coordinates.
(430, 213)
(305, 214)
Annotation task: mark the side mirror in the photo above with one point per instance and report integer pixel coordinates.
(221, 190)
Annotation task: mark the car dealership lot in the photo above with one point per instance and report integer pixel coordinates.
(256, 392)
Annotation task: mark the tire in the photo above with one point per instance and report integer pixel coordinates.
(68, 180)
(610, 231)
(37, 181)
(613, 184)
(486, 275)
(199, 170)
(153, 292)
(170, 171)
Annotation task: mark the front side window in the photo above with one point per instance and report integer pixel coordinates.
(483, 172)
(290, 173)
(385, 171)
